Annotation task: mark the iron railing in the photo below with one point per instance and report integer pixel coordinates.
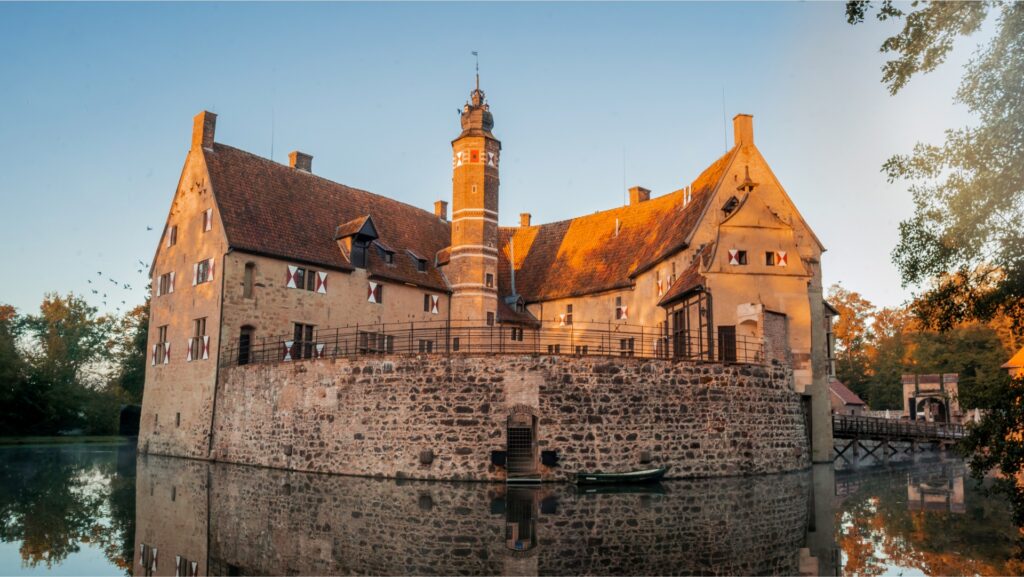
(452, 338)
(877, 428)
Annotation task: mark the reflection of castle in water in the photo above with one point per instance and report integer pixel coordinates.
(939, 489)
(235, 520)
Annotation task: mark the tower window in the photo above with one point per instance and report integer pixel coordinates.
(568, 314)
(489, 280)
(250, 269)
(490, 319)
(769, 258)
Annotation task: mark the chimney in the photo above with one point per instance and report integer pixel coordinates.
(441, 209)
(524, 219)
(638, 194)
(300, 161)
(203, 126)
(743, 129)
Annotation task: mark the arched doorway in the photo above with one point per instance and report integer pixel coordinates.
(933, 409)
(521, 443)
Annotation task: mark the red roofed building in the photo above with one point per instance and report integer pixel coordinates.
(265, 261)
(845, 401)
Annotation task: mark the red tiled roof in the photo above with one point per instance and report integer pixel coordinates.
(272, 209)
(584, 255)
(507, 314)
(1016, 362)
(847, 396)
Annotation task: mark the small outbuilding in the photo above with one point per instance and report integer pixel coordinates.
(845, 401)
(1015, 366)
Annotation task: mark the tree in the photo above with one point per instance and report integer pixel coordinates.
(969, 191)
(66, 388)
(853, 337)
(13, 378)
(129, 353)
(889, 357)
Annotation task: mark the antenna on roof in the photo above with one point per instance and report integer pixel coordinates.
(476, 55)
(271, 133)
(725, 131)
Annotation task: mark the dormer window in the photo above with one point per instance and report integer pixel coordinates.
(421, 265)
(359, 247)
(389, 257)
(730, 205)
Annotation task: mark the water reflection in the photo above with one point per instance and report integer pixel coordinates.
(238, 520)
(67, 505)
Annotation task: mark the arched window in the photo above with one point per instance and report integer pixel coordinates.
(250, 271)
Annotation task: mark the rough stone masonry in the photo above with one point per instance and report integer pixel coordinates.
(440, 417)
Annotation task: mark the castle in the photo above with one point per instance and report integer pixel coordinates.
(269, 267)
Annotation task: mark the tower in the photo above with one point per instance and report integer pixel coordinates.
(473, 269)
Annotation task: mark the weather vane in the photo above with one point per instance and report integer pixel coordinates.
(476, 55)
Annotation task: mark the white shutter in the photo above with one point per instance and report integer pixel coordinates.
(321, 284)
(734, 257)
(780, 258)
(291, 276)
(625, 310)
(167, 355)
(153, 563)
(209, 269)
(177, 566)
(159, 281)
(288, 350)
(170, 288)
(195, 274)
(561, 320)
(373, 293)
(208, 220)
(206, 347)
(433, 303)
(153, 363)
(319, 350)
(188, 353)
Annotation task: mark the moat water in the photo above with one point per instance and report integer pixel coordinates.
(98, 509)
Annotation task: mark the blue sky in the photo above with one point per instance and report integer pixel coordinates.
(98, 99)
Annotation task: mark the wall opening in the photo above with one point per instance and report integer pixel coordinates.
(245, 345)
(521, 442)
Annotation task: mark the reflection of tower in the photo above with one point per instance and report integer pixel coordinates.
(473, 267)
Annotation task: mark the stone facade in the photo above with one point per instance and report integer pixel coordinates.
(379, 416)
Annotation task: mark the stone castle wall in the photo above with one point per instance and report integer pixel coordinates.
(377, 416)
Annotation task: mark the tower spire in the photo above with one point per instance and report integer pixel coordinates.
(476, 55)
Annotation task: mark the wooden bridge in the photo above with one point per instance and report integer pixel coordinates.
(856, 430)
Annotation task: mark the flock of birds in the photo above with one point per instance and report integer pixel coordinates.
(98, 289)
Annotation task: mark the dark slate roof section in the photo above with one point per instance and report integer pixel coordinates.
(275, 210)
(691, 280)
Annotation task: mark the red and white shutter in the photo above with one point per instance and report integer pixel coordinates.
(321, 282)
(372, 293)
(188, 353)
(195, 274)
(153, 363)
(290, 283)
(780, 258)
(661, 287)
(561, 320)
(206, 347)
(170, 286)
(209, 269)
(288, 350)
(208, 220)
(734, 256)
(319, 350)
(624, 312)
(159, 281)
(195, 569)
(167, 352)
(152, 563)
(433, 303)
(177, 566)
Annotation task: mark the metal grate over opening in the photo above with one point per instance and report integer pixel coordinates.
(520, 450)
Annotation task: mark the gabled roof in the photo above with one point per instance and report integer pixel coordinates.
(272, 209)
(584, 255)
(362, 225)
(845, 395)
(691, 280)
(1016, 362)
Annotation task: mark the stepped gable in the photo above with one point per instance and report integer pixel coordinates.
(275, 210)
(584, 255)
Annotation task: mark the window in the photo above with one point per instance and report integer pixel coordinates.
(389, 257)
(727, 344)
(207, 220)
(737, 257)
(177, 423)
(769, 258)
(581, 349)
(517, 334)
(359, 253)
(568, 315)
(554, 349)
(376, 293)
(371, 342)
(455, 343)
(197, 345)
(626, 347)
(620, 311)
(489, 280)
(426, 346)
(302, 345)
(203, 271)
(421, 265)
(426, 303)
(520, 306)
(160, 352)
(490, 319)
(165, 284)
(245, 345)
(156, 423)
(172, 235)
(247, 280)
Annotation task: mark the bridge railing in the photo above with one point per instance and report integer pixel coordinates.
(849, 426)
(453, 338)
